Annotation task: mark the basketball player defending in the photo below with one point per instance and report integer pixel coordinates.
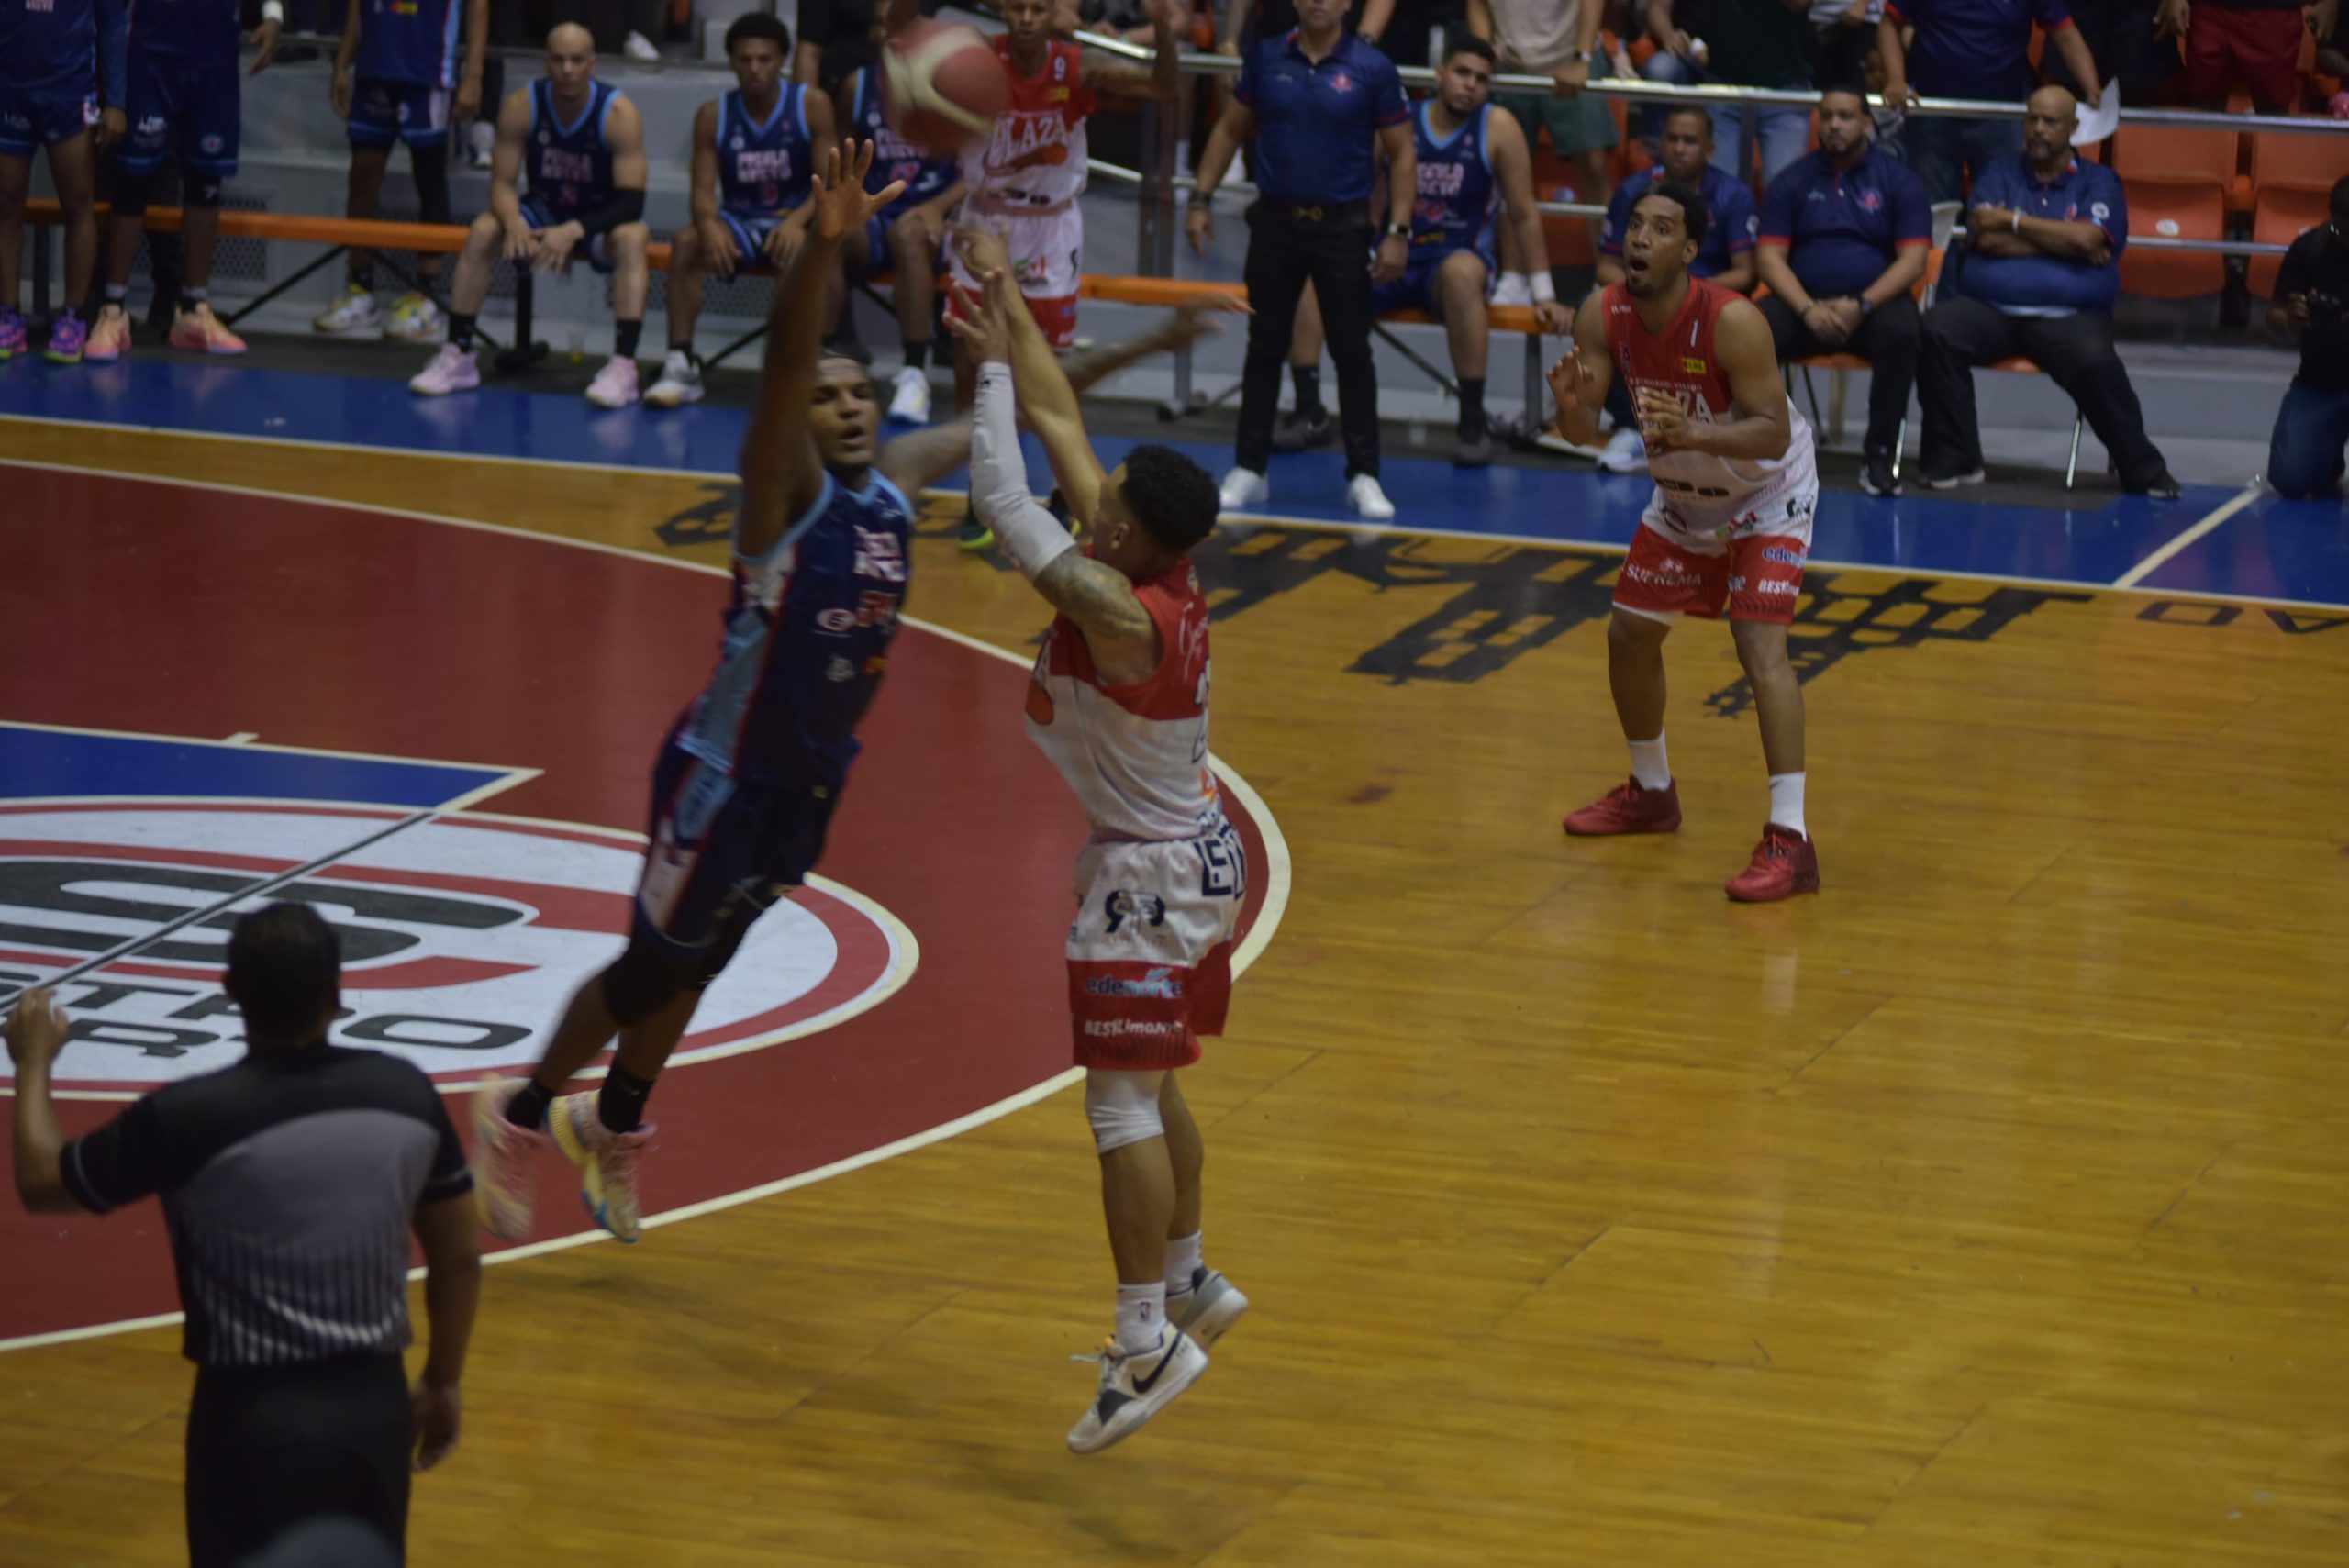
(1119, 704)
(1027, 177)
(1728, 523)
(751, 773)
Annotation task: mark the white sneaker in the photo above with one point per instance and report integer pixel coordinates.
(1515, 288)
(615, 384)
(680, 382)
(1208, 1309)
(480, 144)
(638, 47)
(911, 404)
(1369, 501)
(1135, 1386)
(354, 312)
(1243, 487)
(452, 370)
(414, 318)
(1627, 451)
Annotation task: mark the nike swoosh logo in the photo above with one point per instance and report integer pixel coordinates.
(1144, 1384)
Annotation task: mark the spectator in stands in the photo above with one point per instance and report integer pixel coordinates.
(406, 52)
(1845, 33)
(1971, 49)
(1404, 31)
(837, 38)
(50, 88)
(1129, 19)
(582, 145)
(1557, 38)
(2126, 45)
(2046, 232)
(182, 98)
(1726, 256)
(2256, 42)
(1327, 105)
(1844, 237)
(2306, 456)
(753, 151)
(1742, 43)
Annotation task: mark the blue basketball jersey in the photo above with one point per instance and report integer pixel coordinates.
(51, 46)
(894, 157)
(807, 636)
(195, 32)
(570, 166)
(763, 166)
(1458, 195)
(413, 42)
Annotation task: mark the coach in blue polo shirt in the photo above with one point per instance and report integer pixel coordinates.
(1970, 49)
(1844, 237)
(1323, 107)
(2047, 231)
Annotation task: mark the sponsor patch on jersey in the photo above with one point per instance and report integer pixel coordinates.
(1694, 366)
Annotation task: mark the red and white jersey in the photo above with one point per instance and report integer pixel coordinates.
(1136, 755)
(1034, 161)
(1697, 494)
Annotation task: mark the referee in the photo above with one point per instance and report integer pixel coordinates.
(290, 1184)
(1323, 105)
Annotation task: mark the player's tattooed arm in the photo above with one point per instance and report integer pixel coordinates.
(1127, 79)
(1100, 599)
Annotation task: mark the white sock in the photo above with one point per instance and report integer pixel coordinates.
(1141, 1312)
(1517, 281)
(1786, 802)
(1648, 763)
(1183, 1264)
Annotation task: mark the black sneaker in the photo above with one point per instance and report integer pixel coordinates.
(2161, 487)
(1876, 476)
(1952, 480)
(1300, 432)
(973, 535)
(1474, 447)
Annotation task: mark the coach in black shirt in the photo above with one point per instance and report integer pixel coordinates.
(1323, 107)
(290, 1184)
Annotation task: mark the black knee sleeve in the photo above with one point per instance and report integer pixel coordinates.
(130, 196)
(642, 980)
(202, 190)
(431, 168)
(735, 925)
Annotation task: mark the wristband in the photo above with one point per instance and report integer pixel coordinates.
(273, 11)
(1545, 289)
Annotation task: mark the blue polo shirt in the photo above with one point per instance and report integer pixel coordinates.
(1316, 125)
(1841, 232)
(1974, 49)
(2047, 285)
(1729, 213)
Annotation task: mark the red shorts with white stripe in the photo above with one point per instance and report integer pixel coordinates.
(1150, 951)
(1758, 577)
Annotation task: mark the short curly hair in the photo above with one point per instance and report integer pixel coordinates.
(1173, 499)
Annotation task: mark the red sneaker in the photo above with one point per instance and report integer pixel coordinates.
(1785, 863)
(1629, 808)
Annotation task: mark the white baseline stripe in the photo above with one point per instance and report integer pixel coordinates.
(2163, 556)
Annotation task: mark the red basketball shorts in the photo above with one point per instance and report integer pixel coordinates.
(1150, 951)
(1757, 578)
(2262, 48)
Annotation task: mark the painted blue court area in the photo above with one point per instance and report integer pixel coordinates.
(2272, 548)
(38, 763)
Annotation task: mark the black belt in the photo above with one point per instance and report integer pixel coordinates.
(1321, 212)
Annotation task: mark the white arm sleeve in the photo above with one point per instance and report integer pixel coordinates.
(999, 479)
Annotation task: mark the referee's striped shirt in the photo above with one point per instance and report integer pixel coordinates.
(289, 1184)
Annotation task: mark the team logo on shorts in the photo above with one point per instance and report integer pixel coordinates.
(211, 144)
(1148, 909)
(463, 938)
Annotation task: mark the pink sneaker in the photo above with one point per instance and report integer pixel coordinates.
(606, 1161)
(109, 335)
(13, 339)
(452, 370)
(68, 335)
(200, 331)
(503, 1154)
(615, 384)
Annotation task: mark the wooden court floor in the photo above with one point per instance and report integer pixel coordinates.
(1992, 1208)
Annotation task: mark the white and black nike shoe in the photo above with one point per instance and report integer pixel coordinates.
(1208, 1309)
(1136, 1386)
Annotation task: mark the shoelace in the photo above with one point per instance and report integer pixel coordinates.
(1108, 1354)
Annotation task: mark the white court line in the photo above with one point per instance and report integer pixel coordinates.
(1278, 877)
(2163, 556)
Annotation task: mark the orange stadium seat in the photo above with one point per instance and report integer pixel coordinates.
(2178, 182)
(2291, 178)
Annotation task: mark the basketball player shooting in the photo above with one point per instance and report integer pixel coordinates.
(1118, 703)
(1728, 523)
(750, 775)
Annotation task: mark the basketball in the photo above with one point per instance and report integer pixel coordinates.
(943, 85)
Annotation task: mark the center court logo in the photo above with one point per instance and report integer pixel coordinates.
(463, 938)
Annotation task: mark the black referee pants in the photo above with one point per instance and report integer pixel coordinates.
(1288, 243)
(1891, 339)
(269, 1446)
